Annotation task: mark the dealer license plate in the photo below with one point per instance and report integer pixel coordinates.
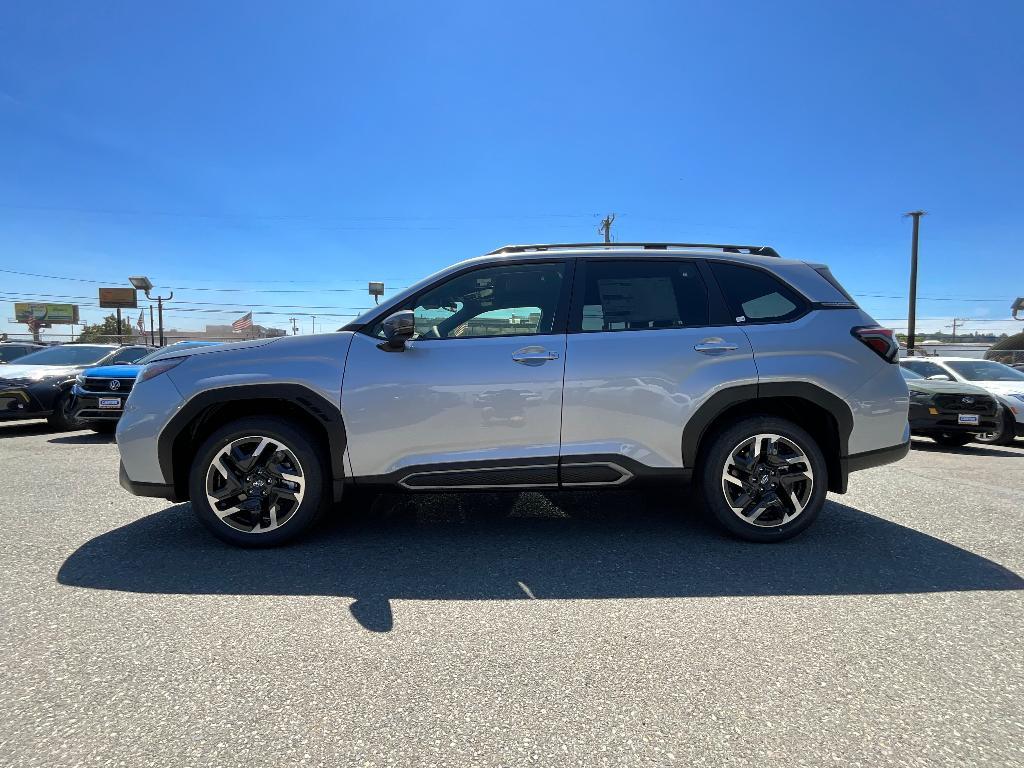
(967, 418)
(115, 402)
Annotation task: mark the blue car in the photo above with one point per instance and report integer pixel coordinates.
(99, 393)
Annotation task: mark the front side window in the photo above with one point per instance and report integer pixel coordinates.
(128, 355)
(926, 369)
(631, 295)
(509, 300)
(755, 296)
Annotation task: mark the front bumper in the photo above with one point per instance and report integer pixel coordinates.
(92, 406)
(23, 402)
(924, 422)
(153, 490)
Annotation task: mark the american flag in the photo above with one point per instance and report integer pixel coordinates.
(141, 325)
(242, 323)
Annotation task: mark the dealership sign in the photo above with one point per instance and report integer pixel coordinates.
(51, 314)
(118, 298)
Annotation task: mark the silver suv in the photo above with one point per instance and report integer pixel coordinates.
(538, 366)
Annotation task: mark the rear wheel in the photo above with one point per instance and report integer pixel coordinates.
(1002, 436)
(258, 482)
(763, 479)
(952, 439)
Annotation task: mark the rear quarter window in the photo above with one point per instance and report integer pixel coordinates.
(755, 296)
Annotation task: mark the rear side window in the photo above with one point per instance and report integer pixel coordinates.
(642, 295)
(754, 296)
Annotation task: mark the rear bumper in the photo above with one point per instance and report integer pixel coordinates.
(869, 459)
(154, 490)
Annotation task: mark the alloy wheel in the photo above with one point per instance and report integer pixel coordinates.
(255, 484)
(767, 480)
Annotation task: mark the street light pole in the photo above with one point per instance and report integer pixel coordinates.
(912, 307)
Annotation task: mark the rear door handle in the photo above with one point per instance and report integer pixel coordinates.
(714, 346)
(533, 356)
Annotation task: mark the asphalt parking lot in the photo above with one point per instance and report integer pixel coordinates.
(500, 630)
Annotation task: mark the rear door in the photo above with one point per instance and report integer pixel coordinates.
(474, 400)
(648, 344)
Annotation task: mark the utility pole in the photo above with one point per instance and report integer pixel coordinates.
(152, 329)
(606, 227)
(912, 308)
(295, 328)
(314, 323)
(957, 321)
(160, 311)
(120, 340)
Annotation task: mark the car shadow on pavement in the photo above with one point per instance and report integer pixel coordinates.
(82, 438)
(971, 449)
(520, 546)
(25, 428)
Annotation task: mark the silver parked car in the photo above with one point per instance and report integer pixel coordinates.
(538, 367)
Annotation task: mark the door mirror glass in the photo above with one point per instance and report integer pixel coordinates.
(398, 328)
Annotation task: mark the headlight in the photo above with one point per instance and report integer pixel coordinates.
(920, 397)
(1019, 397)
(80, 378)
(153, 370)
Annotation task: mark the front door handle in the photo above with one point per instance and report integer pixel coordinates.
(533, 356)
(715, 346)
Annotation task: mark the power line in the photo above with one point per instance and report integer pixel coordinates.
(194, 288)
(32, 296)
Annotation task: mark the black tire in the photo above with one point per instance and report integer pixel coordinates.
(773, 526)
(102, 427)
(1004, 436)
(62, 418)
(310, 469)
(952, 440)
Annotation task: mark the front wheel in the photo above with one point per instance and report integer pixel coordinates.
(63, 416)
(258, 482)
(1002, 436)
(763, 479)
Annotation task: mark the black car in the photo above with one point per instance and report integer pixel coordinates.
(38, 386)
(950, 412)
(13, 350)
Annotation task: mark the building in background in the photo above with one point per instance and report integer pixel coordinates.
(222, 333)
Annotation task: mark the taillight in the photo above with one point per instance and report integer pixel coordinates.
(880, 340)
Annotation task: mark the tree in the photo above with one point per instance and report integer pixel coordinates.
(106, 332)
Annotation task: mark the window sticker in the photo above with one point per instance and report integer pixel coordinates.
(638, 300)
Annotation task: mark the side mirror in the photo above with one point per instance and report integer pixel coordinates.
(398, 329)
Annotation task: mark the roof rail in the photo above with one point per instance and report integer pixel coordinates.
(756, 250)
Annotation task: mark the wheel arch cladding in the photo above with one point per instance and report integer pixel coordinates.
(211, 409)
(825, 416)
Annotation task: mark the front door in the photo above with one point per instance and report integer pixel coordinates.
(474, 399)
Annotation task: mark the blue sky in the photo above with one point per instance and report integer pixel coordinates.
(271, 147)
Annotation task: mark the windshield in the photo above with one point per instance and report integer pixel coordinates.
(985, 370)
(909, 374)
(69, 354)
(10, 353)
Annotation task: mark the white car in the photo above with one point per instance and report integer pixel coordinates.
(1006, 383)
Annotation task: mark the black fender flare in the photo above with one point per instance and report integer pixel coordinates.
(315, 405)
(717, 404)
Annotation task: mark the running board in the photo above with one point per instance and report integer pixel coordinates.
(577, 474)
